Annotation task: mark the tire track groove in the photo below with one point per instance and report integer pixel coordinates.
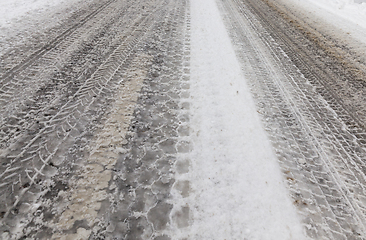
(68, 122)
(305, 135)
(52, 44)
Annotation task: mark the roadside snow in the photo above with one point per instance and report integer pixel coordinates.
(351, 10)
(11, 10)
(345, 16)
(22, 19)
(237, 188)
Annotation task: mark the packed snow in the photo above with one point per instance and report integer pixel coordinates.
(237, 187)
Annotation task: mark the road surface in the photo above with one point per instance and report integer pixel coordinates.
(170, 119)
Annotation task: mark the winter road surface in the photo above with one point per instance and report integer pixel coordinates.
(177, 119)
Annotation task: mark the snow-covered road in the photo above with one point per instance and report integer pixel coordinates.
(171, 119)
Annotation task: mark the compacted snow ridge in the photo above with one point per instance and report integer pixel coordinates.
(237, 188)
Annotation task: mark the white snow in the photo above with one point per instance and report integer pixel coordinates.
(351, 10)
(11, 10)
(344, 16)
(21, 19)
(238, 191)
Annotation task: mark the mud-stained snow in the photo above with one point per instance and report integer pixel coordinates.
(92, 184)
(237, 188)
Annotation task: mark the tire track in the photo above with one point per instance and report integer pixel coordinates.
(62, 110)
(50, 64)
(139, 205)
(57, 134)
(317, 73)
(50, 45)
(92, 181)
(320, 158)
(38, 87)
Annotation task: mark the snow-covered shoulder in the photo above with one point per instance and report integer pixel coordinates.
(346, 19)
(25, 22)
(11, 11)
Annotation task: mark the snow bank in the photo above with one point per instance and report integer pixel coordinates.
(11, 10)
(350, 10)
(22, 19)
